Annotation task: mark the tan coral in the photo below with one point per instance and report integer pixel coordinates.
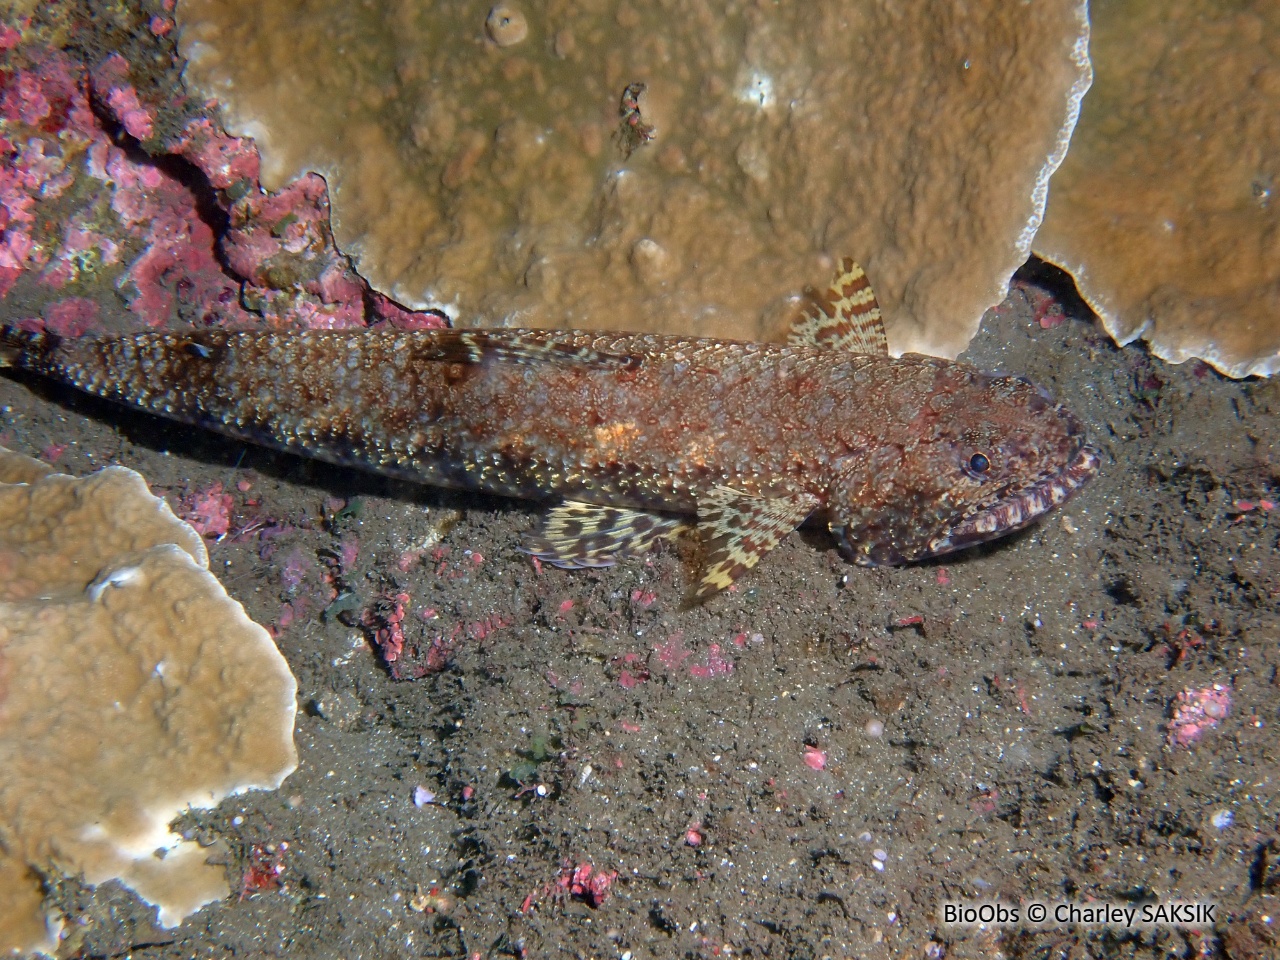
(1165, 210)
(917, 136)
(131, 688)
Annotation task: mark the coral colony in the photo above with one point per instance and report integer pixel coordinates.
(195, 707)
(669, 176)
(1165, 217)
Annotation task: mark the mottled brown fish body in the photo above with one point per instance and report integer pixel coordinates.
(640, 421)
(903, 458)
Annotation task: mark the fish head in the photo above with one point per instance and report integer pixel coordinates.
(965, 457)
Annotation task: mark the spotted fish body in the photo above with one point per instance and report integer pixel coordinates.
(637, 437)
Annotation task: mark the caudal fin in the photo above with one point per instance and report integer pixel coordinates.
(24, 348)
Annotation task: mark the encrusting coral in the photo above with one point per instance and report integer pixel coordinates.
(131, 688)
(82, 214)
(664, 167)
(1165, 209)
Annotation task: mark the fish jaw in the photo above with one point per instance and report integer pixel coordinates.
(1016, 509)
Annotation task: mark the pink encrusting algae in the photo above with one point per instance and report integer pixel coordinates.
(71, 317)
(208, 511)
(123, 220)
(44, 126)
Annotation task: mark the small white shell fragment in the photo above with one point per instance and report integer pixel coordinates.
(506, 26)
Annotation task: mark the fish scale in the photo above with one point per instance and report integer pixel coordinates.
(640, 437)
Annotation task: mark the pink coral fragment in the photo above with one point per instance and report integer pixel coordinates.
(814, 758)
(208, 511)
(294, 570)
(1195, 711)
(348, 551)
(588, 885)
(633, 672)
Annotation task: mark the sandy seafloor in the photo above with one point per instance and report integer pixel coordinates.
(1024, 752)
(719, 759)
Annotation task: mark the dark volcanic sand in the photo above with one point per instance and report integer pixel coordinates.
(584, 718)
(1024, 754)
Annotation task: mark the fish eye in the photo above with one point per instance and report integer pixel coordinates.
(979, 463)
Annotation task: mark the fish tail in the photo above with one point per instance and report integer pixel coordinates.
(25, 348)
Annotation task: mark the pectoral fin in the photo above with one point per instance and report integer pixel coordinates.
(576, 535)
(846, 316)
(737, 529)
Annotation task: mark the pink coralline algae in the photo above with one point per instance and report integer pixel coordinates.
(716, 665)
(45, 125)
(1195, 711)
(176, 270)
(281, 245)
(208, 511)
(71, 317)
(228, 162)
(137, 224)
(672, 652)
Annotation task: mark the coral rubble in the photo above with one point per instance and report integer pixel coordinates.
(487, 159)
(131, 688)
(1165, 210)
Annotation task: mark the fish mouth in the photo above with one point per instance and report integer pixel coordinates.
(1012, 510)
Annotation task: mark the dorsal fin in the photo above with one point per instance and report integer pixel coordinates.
(845, 316)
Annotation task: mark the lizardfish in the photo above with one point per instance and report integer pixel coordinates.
(632, 437)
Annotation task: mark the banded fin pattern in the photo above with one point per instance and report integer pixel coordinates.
(576, 535)
(530, 347)
(846, 316)
(737, 529)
